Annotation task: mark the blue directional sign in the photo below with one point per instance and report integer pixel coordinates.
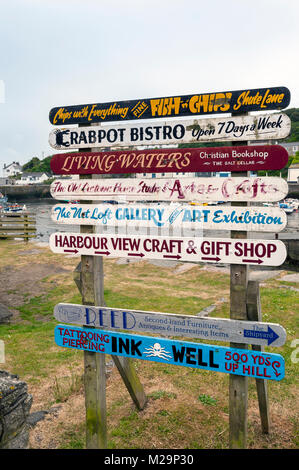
(270, 336)
(196, 355)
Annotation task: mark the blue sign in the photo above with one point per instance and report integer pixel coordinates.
(270, 336)
(195, 355)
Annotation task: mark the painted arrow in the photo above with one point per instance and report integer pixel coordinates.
(141, 255)
(274, 365)
(206, 258)
(269, 335)
(258, 261)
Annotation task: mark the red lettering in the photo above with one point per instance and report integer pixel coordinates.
(271, 248)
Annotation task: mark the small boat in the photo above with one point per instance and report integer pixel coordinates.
(13, 209)
(194, 203)
(292, 202)
(286, 207)
(3, 199)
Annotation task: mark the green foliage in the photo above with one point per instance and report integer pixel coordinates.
(295, 158)
(207, 400)
(293, 114)
(35, 165)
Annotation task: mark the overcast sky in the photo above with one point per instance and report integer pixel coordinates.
(65, 52)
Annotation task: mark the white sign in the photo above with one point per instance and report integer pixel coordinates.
(232, 251)
(262, 127)
(179, 189)
(169, 324)
(259, 219)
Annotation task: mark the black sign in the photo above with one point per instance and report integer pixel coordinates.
(241, 101)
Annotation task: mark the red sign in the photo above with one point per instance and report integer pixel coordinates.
(202, 159)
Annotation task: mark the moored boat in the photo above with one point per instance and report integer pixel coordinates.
(13, 209)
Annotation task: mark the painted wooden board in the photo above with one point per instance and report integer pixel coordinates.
(209, 250)
(241, 101)
(180, 189)
(257, 219)
(170, 324)
(241, 158)
(196, 355)
(246, 128)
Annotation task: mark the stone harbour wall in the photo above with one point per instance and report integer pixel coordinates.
(15, 404)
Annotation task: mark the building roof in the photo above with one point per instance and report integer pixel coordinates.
(289, 144)
(35, 174)
(10, 164)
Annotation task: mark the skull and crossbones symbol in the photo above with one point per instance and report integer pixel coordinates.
(157, 351)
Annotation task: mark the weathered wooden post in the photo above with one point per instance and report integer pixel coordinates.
(92, 292)
(254, 313)
(238, 385)
(26, 232)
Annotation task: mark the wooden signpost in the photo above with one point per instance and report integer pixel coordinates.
(170, 324)
(258, 219)
(249, 158)
(251, 189)
(245, 326)
(266, 126)
(241, 101)
(195, 355)
(209, 250)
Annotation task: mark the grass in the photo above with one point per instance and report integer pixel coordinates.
(207, 400)
(186, 408)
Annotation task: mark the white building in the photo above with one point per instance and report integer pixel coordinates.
(293, 173)
(291, 147)
(12, 169)
(32, 178)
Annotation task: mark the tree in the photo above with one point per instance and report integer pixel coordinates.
(35, 165)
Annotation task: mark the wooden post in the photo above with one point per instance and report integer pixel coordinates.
(254, 313)
(127, 372)
(26, 233)
(92, 292)
(238, 385)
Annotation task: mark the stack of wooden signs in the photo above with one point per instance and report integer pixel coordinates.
(164, 202)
